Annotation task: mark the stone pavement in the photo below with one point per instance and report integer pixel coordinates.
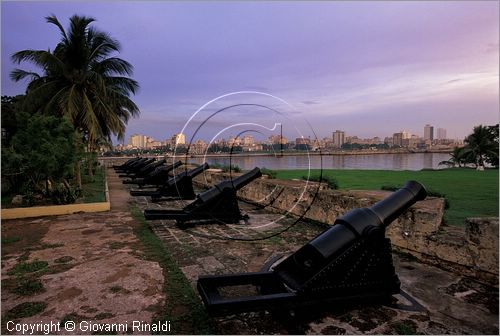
(96, 268)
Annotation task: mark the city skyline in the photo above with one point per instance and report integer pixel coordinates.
(369, 69)
(338, 138)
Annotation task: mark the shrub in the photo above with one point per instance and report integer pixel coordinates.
(65, 194)
(41, 150)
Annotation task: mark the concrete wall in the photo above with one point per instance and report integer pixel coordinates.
(472, 250)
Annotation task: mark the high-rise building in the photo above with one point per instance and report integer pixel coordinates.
(397, 139)
(428, 132)
(178, 139)
(441, 134)
(338, 138)
(137, 140)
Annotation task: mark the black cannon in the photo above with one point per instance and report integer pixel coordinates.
(136, 166)
(157, 177)
(349, 262)
(217, 204)
(180, 186)
(126, 163)
(146, 170)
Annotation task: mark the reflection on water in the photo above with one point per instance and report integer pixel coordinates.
(415, 161)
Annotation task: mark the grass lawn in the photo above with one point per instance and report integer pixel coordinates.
(93, 190)
(470, 193)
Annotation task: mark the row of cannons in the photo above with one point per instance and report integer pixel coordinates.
(349, 262)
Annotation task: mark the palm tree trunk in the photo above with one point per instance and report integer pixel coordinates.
(90, 161)
(78, 175)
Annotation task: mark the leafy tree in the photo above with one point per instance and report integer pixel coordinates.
(480, 145)
(81, 81)
(10, 108)
(492, 155)
(42, 152)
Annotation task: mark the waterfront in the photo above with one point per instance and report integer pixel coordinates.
(395, 161)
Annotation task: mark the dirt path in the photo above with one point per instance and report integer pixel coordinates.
(80, 267)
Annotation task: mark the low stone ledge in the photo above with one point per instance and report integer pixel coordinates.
(55, 210)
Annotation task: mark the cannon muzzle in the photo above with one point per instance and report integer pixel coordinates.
(235, 184)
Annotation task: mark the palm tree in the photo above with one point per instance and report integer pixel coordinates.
(479, 145)
(81, 81)
(457, 157)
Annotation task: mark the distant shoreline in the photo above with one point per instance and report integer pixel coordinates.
(277, 154)
(315, 153)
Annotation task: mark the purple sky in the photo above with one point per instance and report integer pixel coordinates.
(369, 68)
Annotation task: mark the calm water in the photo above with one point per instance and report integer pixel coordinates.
(415, 161)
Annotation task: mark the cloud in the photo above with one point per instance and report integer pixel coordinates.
(310, 102)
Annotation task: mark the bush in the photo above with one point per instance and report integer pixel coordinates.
(40, 153)
(330, 181)
(65, 194)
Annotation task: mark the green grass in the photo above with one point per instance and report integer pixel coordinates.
(470, 193)
(10, 240)
(405, 328)
(25, 309)
(178, 290)
(28, 267)
(27, 286)
(93, 189)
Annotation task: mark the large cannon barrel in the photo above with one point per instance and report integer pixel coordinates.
(347, 227)
(235, 184)
(198, 170)
(346, 230)
(152, 166)
(246, 178)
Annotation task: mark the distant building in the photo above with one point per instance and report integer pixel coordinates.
(428, 132)
(178, 139)
(338, 138)
(198, 147)
(248, 140)
(234, 141)
(275, 139)
(398, 139)
(302, 141)
(441, 134)
(137, 140)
